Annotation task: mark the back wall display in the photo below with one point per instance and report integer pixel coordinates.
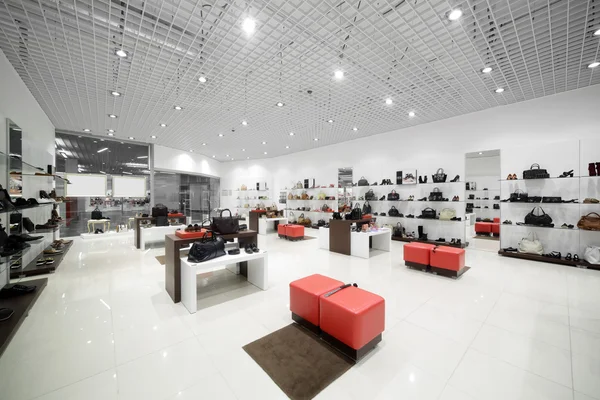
(86, 185)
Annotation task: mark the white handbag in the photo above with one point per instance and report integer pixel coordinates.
(592, 254)
(447, 214)
(531, 245)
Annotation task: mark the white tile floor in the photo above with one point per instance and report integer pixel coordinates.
(105, 329)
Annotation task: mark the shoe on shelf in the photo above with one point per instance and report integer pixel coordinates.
(254, 248)
(575, 258)
(423, 199)
(248, 249)
(567, 174)
(382, 198)
(420, 179)
(510, 249)
(564, 226)
(569, 257)
(456, 178)
(52, 251)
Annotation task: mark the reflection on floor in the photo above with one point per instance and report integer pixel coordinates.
(484, 244)
(105, 329)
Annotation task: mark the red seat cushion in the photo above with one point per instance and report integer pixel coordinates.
(294, 231)
(281, 229)
(483, 227)
(417, 252)
(305, 293)
(496, 220)
(353, 316)
(496, 229)
(450, 258)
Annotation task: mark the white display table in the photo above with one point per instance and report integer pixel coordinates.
(267, 225)
(382, 240)
(91, 224)
(258, 269)
(156, 234)
(324, 238)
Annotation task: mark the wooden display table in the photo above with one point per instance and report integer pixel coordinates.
(253, 217)
(339, 235)
(174, 244)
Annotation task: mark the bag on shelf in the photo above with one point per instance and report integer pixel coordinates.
(321, 222)
(366, 209)
(291, 217)
(398, 230)
(363, 182)
(225, 225)
(535, 172)
(304, 195)
(370, 195)
(207, 248)
(324, 207)
(542, 219)
(244, 187)
(439, 176)
(531, 245)
(589, 222)
(436, 195)
(97, 214)
(299, 185)
(447, 214)
(496, 206)
(592, 254)
(356, 213)
(551, 199)
(393, 196)
(290, 196)
(337, 215)
(534, 199)
(394, 212)
(321, 196)
(518, 196)
(428, 213)
(160, 210)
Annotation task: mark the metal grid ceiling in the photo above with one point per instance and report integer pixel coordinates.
(405, 50)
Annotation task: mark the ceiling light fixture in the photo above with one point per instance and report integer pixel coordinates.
(163, 125)
(115, 93)
(389, 101)
(291, 133)
(355, 129)
(280, 104)
(245, 123)
(131, 138)
(121, 53)
(597, 33)
(480, 153)
(411, 114)
(191, 150)
(226, 155)
(153, 136)
(499, 90)
(64, 155)
(202, 79)
(316, 139)
(214, 156)
(594, 64)
(330, 121)
(127, 173)
(247, 158)
(102, 150)
(112, 116)
(265, 153)
(287, 147)
(264, 142)
(243, 149)
(455, 14)
(178, 108)
(486, 70)
(203, 144)
(111, 130)
(86, 130)
(249, 25)
(338, 74)
(111, 134)
(221, 135)
(140, 157)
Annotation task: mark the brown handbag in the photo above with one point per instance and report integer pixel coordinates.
(590, 222)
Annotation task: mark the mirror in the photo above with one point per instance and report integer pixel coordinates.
(15, 167)
(344, 187)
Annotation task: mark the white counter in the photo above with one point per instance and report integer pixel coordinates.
(156, 234)
(267, 225)
(324, 238)
(359, 242)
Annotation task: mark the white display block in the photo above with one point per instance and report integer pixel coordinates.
(359, 242)
(267, 225)
(86, 185)
(156, 234)
(324, 238)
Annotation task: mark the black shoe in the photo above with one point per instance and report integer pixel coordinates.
(567, 174)
(569, 257)
(16, 290)
(425, 179)
(5, 313)
(420, 179)
(248, 249)
(254, 248)
(456, 178)
(382, 198)
(575, 258)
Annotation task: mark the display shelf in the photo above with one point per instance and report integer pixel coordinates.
(312, 200)
(588, 265)
(540, 204)
(442, 183)
(541, 227)
(409, 240)
(535, 257)
(416, 218)
(482, 190)
(540, 179)
(315, 188)
(20, 306)
(252, 191)
(32, 269)
(414, 201)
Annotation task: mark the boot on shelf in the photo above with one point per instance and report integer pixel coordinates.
(425, 179)
(592, 169)
(420, 230)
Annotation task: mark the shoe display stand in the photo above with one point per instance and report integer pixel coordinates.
(340, 235)
(20, 306)
(251, 201)
(556, 158)
(31, 268)
(486, 189)
(136, 227)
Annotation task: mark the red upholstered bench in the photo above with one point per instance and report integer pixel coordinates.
(281, 230)
(496, 229)
(294, 232)
(483, 228)
(496, 220)
(448, 261)
(304, 298)
(417, 255)
(352, 321)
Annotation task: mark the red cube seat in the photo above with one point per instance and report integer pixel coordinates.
(483, 227)
(294, 232)
(354, 317)
(445, 259)
(496, 229)
(417, 254)
(281, 230)
(304, 298)
(496, 220)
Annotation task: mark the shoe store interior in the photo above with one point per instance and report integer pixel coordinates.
(299, 200)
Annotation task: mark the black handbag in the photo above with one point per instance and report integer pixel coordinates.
(518, 196)
(398, 230)
(428, 213)
(534, 199)
(366, 209)
(207, 248)
(393, 196)
(337, 215)
(363, 182)
(370, 195)
(436, 195)
(496, 206)
(225, 225)
(542, 219)
(160, 210)
(551, 199)
(535, 172)
(97, 214)
(394, 212)
(439, 176)
(356, 213)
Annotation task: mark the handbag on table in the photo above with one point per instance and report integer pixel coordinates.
(394, 212)
(428, 213)
(531, 245)
(535, 172)
(393, 196)
(363, 182)
(447, 214)
(436, 195)
(356, 213)
(539, 219)
(366, 209)
(209, 247)
(370, 195)
(589, 222)
(439, 176)
(518, 196)
(225, 225)
(97, 214)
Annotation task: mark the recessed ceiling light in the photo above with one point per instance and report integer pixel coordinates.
(247, 158)
(64, 155)
(153, 136)
(191, 150)
(178, 108)
(102, 150)
(316, 139)
(214, 156)
(338, 74)
(79, 137)
(499, 90)
(163, 125)
(411, 114)
(455, 14)
(115, 93)
(221, 135)
(287, 147)
(594, 64)
(388, 101)
(480, 152)
(291, 133)
(203, 144)
(231, 158)
(131, 138)
(355, 129)
(264, 142)
(265, 153)
(243, 149)
(86, 130)
(95, 141)
(112, 116)
(226, 155)
(486, 70)
(111, 134)
(330, 121)
(280, 104)
(597, 33)
(111, 130)
(249, 25)
(121, 53)
(245, 123)
(202, 79)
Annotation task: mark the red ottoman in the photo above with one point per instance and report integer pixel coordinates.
(281, 230)
(483, 228)
(448, 261)
(416, 255)
(304, 298)
(352, 321)
(294, 232)
(496, 220)
(496, 229)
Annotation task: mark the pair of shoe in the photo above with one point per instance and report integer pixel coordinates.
(457, 242)
(591, 200)
(594, 169)
(411, 198)
(423, 199)
(511, 177)
(385, 182)
(456, 178)
(251, 248)
(98, 230)
(567, 174)
(554, 254)
(455, 198)
(565, 226)
(573, 258)
(423, 179)
(44, 261)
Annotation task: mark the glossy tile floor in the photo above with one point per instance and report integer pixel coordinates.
(105, 329)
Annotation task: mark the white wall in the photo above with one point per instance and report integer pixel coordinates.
(173, 160)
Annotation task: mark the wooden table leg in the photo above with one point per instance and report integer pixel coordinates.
(172, 270)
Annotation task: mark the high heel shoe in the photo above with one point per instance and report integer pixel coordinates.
(568, 174)
(456, 178)
(576, 258)
(425, 179)
(509, 177)
(569, 257)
